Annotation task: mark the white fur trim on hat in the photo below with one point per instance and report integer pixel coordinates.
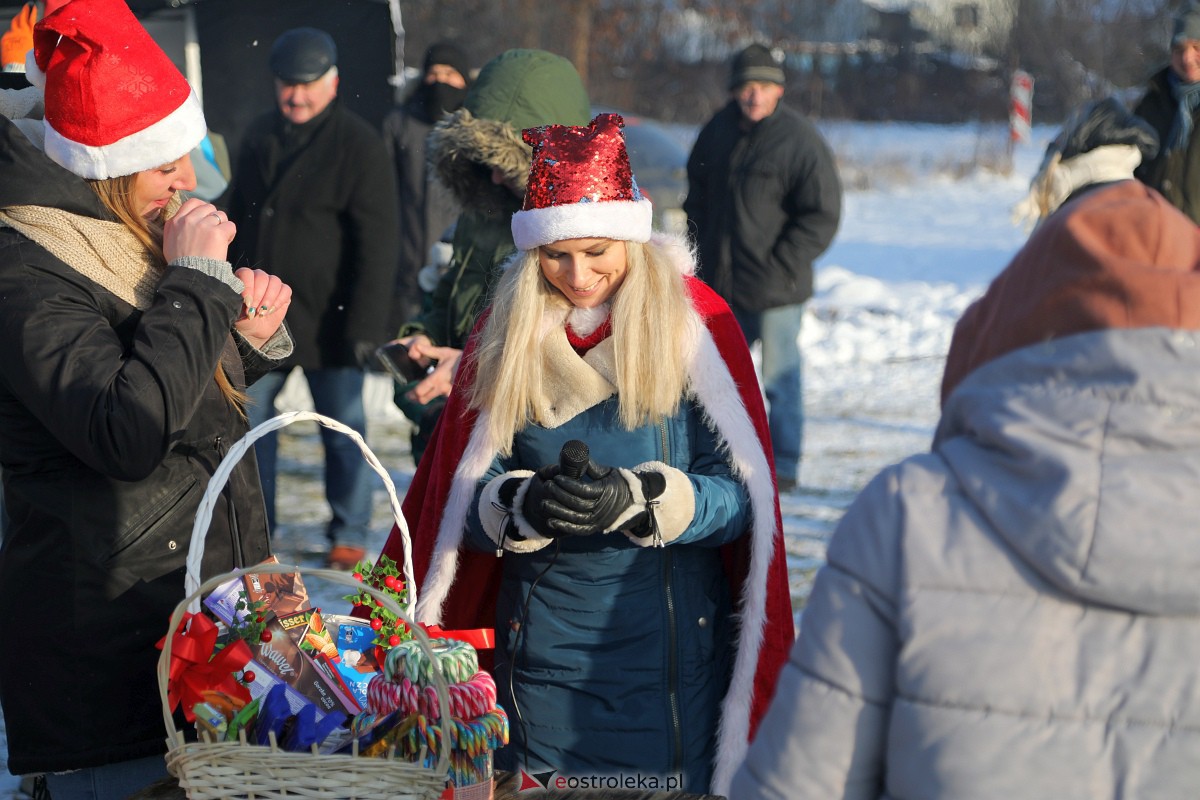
(624, 220)
(164, 141)
(33, 73)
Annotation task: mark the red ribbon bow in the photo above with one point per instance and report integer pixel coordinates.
(479, 638)
(194, 667)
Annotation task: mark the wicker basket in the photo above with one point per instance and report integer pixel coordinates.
(240, 770)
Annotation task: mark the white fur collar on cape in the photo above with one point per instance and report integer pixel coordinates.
(721, 400)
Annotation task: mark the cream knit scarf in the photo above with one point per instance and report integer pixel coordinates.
(107, 252)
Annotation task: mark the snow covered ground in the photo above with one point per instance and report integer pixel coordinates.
(925, 227)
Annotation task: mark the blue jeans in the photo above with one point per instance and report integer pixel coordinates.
(110, 782)
(336, 393)
(783, 380)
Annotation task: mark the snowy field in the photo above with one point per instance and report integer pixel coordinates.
(925, 226)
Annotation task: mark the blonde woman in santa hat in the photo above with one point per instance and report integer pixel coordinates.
(608, 442)
(125, 342)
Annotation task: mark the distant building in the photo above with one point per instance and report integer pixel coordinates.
(966, 28)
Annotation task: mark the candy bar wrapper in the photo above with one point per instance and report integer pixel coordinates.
(282, 658)
(355, 643)
(265, 680)
(308, 630)
(315, 640)
(281, 594)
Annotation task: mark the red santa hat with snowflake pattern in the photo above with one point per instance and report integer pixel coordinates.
(115, 104)
(581, 186)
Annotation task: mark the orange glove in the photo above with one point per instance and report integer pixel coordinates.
(18, 40)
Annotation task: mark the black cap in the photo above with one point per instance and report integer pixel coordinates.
(1187, 24)
(755, 63)
(302, 55)
(449, 54)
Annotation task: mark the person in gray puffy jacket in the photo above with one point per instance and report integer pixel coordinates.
(1016, 614)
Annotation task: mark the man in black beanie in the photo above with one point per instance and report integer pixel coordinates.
(764, 201)
(427, 208)
(1170, 105)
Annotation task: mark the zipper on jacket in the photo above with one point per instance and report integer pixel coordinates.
(450, 334)
(673, 665)
(235, 535)
(672, 632)
(657, 532)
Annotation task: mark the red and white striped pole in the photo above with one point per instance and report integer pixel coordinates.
(1020, 113)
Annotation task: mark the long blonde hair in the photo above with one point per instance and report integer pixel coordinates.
(651, 318)
(117, 196)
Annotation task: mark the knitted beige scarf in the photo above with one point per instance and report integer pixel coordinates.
(107, 252)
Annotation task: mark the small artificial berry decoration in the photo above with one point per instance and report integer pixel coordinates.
(248, 676)
(383, 576)
(249, 625)
(265, 636)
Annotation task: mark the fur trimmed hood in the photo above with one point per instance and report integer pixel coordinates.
(516, 90)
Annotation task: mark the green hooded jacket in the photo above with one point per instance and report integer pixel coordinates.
(517, 89)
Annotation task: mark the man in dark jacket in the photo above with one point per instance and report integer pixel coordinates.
(314, 201)
(764, 201)
(427, 209)
(1170, 105)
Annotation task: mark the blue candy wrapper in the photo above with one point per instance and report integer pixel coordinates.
(273, 713)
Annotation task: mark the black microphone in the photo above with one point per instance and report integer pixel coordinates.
(573, 458)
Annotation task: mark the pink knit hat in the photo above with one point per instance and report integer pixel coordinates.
(115, 104)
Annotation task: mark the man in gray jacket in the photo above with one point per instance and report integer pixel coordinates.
(764, 201)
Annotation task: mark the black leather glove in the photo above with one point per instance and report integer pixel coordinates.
(537, 496)
(586, 505)
(364, 356)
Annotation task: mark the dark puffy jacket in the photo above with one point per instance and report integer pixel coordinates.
(426, 207)
(315, 204)
(1177, 173)
(763, 204)
(647, 629)
(111, 425)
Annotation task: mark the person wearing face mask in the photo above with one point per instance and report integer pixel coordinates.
(126, 344)
(610, 443)
(427, 208)
(478, 154)
(1169, 105)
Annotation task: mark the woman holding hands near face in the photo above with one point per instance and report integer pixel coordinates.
(126, 341)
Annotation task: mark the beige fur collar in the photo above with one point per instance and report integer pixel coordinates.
(574, 383)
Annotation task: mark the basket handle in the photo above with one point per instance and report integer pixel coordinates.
(225, 468)
(335, 576)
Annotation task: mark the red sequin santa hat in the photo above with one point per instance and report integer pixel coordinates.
(581, 187)
(115, 104)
